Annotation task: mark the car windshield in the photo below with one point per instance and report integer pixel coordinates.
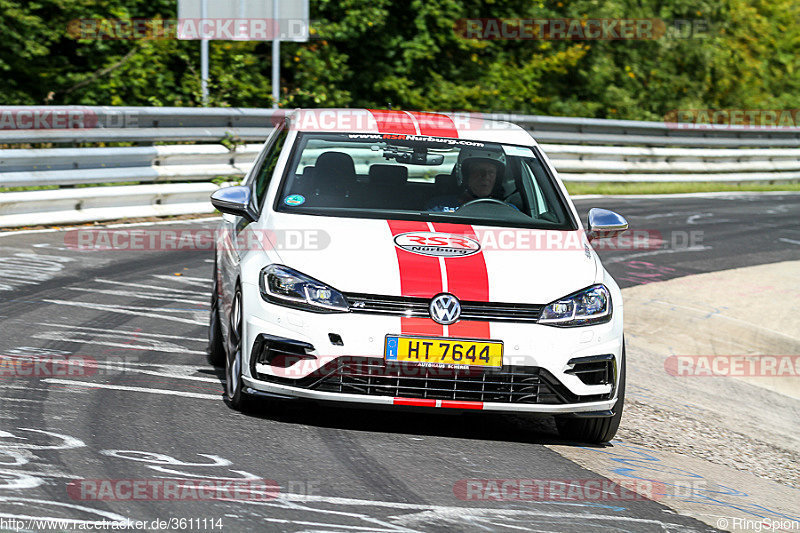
(414, 177)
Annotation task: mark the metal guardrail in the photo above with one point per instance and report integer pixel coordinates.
(582, 149)
(90, 204)
(71, 166)
(149, 124)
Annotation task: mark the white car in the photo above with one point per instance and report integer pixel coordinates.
(416, 260)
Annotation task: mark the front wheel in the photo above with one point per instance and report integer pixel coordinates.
(216, 347)
(234, 392)
(598, 429)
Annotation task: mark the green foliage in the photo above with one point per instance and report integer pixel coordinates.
(408, 54)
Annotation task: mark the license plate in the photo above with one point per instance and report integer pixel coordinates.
(441, 351)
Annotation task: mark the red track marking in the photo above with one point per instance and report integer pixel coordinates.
(393, 121)
(435, 124)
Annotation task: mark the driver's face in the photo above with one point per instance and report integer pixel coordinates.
(481, 178)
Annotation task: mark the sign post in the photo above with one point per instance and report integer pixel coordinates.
(245, 20)
(276, 59)
(204, 55)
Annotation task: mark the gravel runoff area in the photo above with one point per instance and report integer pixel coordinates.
(750, 423)
(738, 437)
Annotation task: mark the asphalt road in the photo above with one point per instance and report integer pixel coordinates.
(152, 407)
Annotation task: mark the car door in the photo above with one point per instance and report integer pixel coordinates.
(231, 246)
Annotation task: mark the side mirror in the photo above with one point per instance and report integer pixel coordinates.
(604, 224)
(235, 201)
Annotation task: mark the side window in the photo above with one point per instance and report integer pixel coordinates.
(537, 202)
(264, 174)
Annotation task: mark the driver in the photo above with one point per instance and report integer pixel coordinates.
(481, 178)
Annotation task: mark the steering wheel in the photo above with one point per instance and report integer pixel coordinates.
(478, 200)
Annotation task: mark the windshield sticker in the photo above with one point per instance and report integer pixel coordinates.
(406, 137)
(437, 244)
(294, 199)
(517, 151)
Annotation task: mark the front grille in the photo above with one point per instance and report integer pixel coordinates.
(375, 377)
(418, 307)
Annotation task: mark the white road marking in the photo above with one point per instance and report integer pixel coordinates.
(26, 503)
(151, 312)
(141, 295)
(125, 367)
(187, 292)
(104, 339)
(199, 282)
(790, 241)
(29, 269)
(700, 248)
(486, 518)
(326, 526)
(124, 332)
(692, 220)
(68, 443)
(166, 392)
(122, 225)
(661, 215)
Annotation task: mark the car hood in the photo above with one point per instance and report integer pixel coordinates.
(405, 258)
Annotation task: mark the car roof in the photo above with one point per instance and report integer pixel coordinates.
(468, 126)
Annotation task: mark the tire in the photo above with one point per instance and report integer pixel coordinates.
(599, 429)
(216, 347)
(234, 392)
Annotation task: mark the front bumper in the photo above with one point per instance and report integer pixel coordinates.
(601, 408)
(538, 374)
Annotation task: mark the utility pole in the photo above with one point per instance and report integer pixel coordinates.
(276, 55)
(204, 53)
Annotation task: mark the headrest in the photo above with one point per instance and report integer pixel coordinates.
(394, 175)
(333, 172)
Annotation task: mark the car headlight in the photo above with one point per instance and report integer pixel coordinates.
(589, 306)
(284, 286)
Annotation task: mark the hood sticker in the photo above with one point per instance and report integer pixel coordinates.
(437, 244)
(294, 199)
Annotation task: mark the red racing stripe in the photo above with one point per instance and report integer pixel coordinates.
(468, 279)
(393, 121)
(420, 277)
(435, 124)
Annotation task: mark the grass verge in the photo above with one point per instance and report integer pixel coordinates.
(580, 187)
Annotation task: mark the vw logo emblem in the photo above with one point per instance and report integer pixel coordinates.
(445, 309)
